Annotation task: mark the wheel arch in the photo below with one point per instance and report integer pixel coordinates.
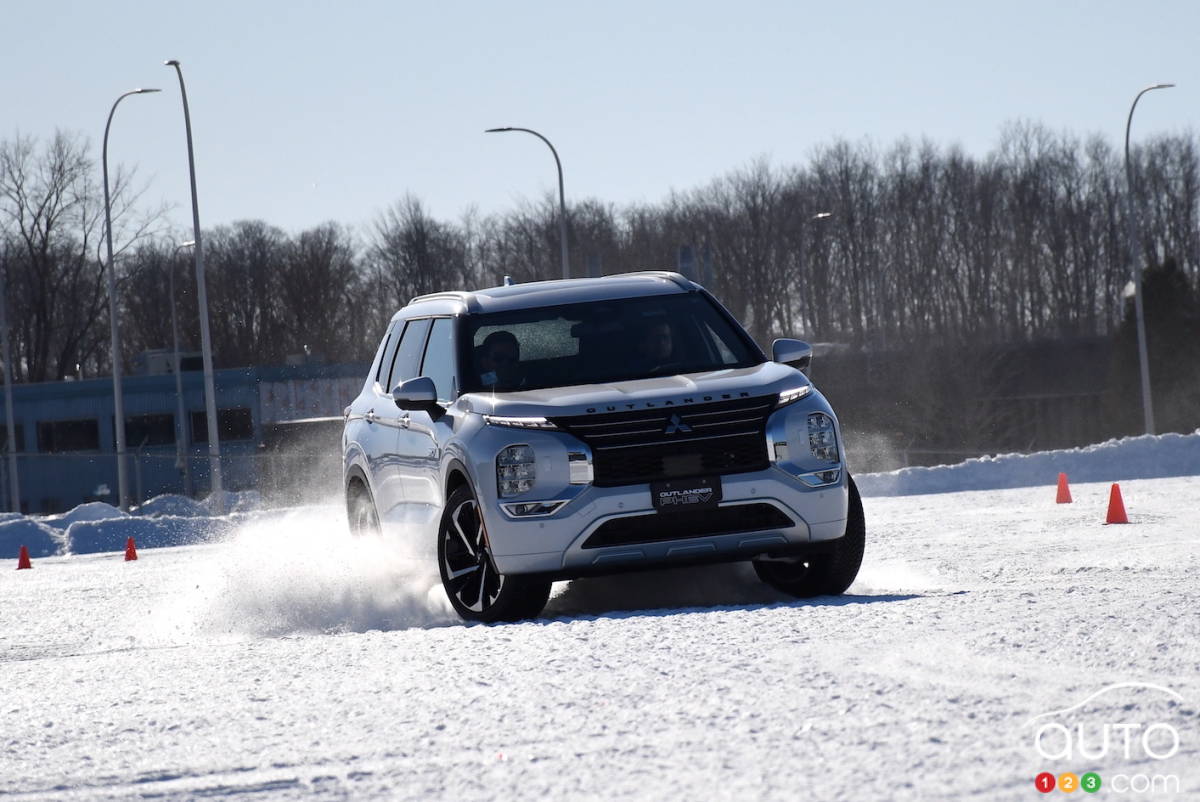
(457, 475)
(355, 473)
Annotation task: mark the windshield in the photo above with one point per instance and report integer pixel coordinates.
(601, 341)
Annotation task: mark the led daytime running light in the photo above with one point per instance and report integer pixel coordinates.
(518, 423)
(795, 394)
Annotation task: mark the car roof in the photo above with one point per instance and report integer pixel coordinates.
(536, 294)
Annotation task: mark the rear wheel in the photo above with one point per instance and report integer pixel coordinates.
(830, 573)
(477, 591)
(360, 510)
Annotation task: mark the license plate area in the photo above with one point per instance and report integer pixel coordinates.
(686, 495)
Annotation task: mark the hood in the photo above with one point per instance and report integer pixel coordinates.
(626, 396)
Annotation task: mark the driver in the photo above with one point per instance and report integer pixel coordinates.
(499, 360)
(656, 346)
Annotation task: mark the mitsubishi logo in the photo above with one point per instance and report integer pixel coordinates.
(674, 425)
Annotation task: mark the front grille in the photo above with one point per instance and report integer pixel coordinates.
(658, 527)
(718, 437)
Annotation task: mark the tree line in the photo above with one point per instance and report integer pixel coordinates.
(877, 248)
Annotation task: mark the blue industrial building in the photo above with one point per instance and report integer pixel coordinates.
(65, 438)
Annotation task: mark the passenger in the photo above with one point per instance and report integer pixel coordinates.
(500, 361)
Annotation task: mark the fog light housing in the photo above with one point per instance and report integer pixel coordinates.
(821, 478)
(533, 509)
(515, 470)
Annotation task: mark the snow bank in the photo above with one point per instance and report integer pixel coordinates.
(166, 520)
(42, 540)
(228, 501)
(1144, 457)
(91, 537)
(92, 511)
(173, 505)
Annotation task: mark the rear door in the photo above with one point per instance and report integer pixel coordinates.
(362, 435)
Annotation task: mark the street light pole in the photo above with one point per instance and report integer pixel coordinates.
(115, 333)
(181, 461)
(14, 482)
(562, 202)
(210, 395)
(1136, 269)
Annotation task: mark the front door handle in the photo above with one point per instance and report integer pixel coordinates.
(370, 416)
(404, 420)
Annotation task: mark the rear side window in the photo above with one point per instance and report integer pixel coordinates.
(408, 354)
(386, 352)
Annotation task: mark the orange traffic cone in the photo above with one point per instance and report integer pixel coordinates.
(1064, 492)
(1116, 506)
(23, 559)
(130, 550)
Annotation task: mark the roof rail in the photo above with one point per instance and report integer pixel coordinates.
(669, 275)
(447, 295)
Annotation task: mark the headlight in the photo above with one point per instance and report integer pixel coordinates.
(822, 440)
(518, 423)
(795, 394)
(515, 470)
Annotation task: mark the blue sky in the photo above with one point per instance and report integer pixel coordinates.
(305, 112)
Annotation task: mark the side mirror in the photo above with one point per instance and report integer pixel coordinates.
(796, 353)
(419, 394)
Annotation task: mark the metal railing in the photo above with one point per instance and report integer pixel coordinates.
(53, 483)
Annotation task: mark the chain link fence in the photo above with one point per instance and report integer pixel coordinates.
(295, 464)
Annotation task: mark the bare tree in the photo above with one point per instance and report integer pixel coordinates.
(244, 263)
(52, 212)
(409, 253)
(319, 285)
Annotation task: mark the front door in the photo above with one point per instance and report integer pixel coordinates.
(389, 423)
(420, 442)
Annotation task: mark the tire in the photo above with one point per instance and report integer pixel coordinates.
(477, 591)
(828, 574)
(360, 510)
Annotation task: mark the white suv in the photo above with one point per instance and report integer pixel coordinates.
(552, 430)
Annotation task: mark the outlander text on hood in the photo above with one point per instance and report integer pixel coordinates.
(558, 429)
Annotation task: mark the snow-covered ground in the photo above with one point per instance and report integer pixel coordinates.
(285, 659)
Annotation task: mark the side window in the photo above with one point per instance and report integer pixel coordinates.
(408, 354)
(386, 352)
(440, 357)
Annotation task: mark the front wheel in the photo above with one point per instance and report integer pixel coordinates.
(822, 574)
(477, 591)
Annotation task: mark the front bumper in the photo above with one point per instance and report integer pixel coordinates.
(558, 545)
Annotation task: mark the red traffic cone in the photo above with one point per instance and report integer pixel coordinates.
(130, 550)
(1064, 492)
(23, 559)
(1116, 506)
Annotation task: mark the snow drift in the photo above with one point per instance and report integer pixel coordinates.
(1145, 457)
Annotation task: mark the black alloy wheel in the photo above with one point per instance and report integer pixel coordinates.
(477, 591)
